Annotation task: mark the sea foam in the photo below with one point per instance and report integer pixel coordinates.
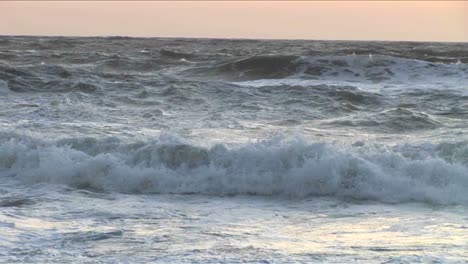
(280, 166)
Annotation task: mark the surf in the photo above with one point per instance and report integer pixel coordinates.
(279, 167)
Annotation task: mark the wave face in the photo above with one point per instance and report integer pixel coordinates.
(291, 167)
(357, 68)
(384, 121)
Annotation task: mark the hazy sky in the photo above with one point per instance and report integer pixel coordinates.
(365, 20)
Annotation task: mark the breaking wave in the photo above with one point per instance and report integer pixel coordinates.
(280, 166)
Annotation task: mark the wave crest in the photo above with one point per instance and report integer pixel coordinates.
(291, 167)
(368, 68)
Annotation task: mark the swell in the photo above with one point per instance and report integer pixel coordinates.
(45, 78)
(129, 65)
(176, 54)
(397, 120)
(363, 68)
(292, 167)
(251, 68)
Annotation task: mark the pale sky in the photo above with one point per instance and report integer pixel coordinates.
(346, 20)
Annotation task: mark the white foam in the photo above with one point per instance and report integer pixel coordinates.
(292, 167)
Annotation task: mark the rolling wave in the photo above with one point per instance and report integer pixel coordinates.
(292, 167)
(362, 68)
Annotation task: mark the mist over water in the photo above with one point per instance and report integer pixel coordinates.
(293, 127)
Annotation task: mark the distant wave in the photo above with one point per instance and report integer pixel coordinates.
(44, 78)
(255, 67)
(292, 167)
(367, 68)
(349, 69)
(176, 54)
(130, 65)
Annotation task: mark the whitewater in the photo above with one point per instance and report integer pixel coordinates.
(162, 150)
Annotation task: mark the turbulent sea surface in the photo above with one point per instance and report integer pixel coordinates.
(232, 151)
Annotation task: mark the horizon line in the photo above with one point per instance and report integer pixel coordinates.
(227, 38)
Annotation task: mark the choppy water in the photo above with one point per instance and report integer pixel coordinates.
(208, 151)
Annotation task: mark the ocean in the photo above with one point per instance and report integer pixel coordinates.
(165, 150)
